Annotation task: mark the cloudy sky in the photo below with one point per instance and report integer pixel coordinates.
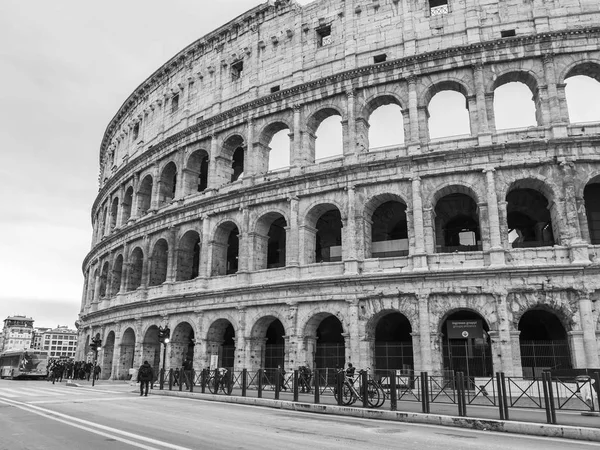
(65, 69)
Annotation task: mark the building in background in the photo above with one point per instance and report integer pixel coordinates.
(59, 342)
(38, 334)
(18, 333)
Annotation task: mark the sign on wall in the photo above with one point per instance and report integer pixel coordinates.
(465, 329)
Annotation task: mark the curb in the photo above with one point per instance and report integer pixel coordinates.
(526, 428)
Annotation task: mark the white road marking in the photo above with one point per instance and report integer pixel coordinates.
(19, 392)
(2, 392)
(78, 400)
(92, 426)
(41, 392)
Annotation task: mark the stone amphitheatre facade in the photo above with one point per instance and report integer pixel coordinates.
(369, 256)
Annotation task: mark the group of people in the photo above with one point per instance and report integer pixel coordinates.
(57, 369)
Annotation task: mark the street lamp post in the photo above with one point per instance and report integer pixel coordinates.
(95, 345)
(164, 337)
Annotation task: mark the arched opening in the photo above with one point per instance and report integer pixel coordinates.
(104, 220)
(274, 349)
(159, 263)
(108, 350)
(145, 195)
(126, 205)
(543, 342)
(529, 220)
(151, 349)
(127, 354)
(233, 158)
(393, 343)
(389, 230)
(591, 197)
(167, 184)
(448, 113)
(328, 138)
(188, 256)
(103, 280)
(279, 147)
(582, 93)
(237, 164)
(195, 177)
(330, 351)
(221, 342)
(226, 249)
(270, 241)
(328, 244)
(457, 224)
(117, 274)
(182, 345)
(386, 126)
(510, 97)
(466, 345)
(114, 211)
(135, 269)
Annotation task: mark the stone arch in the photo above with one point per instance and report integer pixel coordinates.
(127, 356)
(188, 256)
(221, 341)
(108, 350)
(270, 241)
(225, 248)
(126, 205)
(117, 274)
(136, 268)
(144, 195)
(323, 233)
(104, 280)
(325, 345)
(233, 152)
(387, 128)
(531, 214)
(195, 174)
(313, 124)
(589, 68)
(181, 346)
(159, 262)
(559, 303)
(267, 341)
(582, 90)
(434, 119)
(151, 348)
(114, 213)
(591, 198)
(167, 184)
(273, 158)
(517, 77)
(387, 234)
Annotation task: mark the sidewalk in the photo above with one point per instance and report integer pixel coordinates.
(572, 425)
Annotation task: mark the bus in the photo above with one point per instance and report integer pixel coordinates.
(23, 364)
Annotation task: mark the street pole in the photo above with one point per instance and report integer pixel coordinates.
(94, 368)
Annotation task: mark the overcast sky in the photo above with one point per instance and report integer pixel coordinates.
(66, 67)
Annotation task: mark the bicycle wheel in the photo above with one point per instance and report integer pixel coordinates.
(375, 395)
(348, 397)
(226, 387)
(212, 385)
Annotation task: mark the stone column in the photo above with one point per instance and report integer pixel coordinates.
(349, 138)
(413, 115)
(134, 199)
(155, 189)
(489, 107)
(213, 181)
(515, 346)
(172, 255)
(292, 234)
(147, 263)
(474, 125)
(578, 248)
(96, 297)
(496, 250)
(420, 257)
(577, 347)
(352, 336)
(425, 334)
(251, 155)
(590, 344)
(484, 136)
(557, 118)
(296, 150)
(116, 359)
(504, 348)
(349, 239)
(205, 251)
(245, 243)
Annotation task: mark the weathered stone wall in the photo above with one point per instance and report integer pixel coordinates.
(278, 44)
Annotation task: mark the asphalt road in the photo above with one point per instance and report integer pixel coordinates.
(39, 415)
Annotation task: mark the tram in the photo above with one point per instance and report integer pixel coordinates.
(29, 363)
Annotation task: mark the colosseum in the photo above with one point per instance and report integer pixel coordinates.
(476, 250)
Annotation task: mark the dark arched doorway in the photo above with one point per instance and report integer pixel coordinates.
(330, 351)
(393, 343)
(543, 342)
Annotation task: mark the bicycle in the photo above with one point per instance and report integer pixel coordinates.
(350, 393)
(220, 382)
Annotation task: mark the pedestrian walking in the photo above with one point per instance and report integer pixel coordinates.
(144, 377)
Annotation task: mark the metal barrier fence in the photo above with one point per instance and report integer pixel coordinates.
(388, 388)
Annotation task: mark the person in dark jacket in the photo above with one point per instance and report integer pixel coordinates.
(144, 377)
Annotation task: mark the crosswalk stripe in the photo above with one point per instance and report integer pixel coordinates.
(6, 394)
(19, 392)
(42, 391)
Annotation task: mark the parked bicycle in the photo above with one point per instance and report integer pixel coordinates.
(219, 380)
(352, 391)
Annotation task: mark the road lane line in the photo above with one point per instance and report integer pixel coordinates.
(65, 418)
(81, 427)
(41, 392)
(20, 393)
(76, 400)
(7, 394)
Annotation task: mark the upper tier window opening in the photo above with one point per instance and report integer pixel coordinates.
(324, 35)
(438, 7)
